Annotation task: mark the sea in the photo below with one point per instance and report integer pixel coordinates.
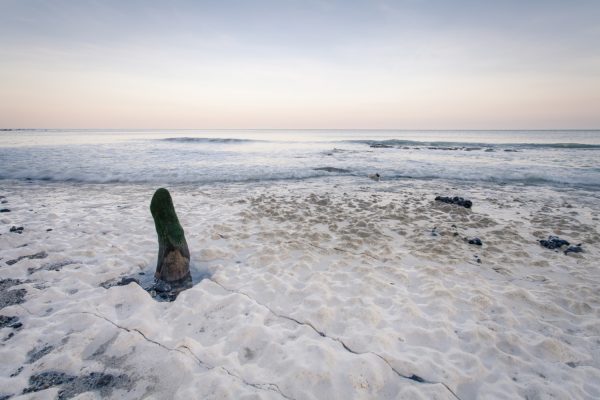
(564, 158)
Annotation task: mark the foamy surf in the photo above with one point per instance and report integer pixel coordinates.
(246, 156)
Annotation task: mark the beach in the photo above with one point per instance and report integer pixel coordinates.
(299, 200)
(306, 288)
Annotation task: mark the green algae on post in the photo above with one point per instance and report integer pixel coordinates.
(173, 262)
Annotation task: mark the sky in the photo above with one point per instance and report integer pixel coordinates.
(405, 64)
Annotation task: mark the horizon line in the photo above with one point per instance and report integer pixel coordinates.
(306, 129)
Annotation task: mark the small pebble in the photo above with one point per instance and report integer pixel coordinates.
(127, 281)
(475, 241)
(574, 249)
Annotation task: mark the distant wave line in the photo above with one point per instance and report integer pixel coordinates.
(207, 140)
(442, 144)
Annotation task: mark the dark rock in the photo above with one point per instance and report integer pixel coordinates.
(36, 354)
(18, 230)
(49, 230)
(475, 241)
(127, 281)
(122, 282)
(4, 201)
(553, 242)
(331, 169)
(17, 372)
(36, 256)
(376, 177)
(4, 210)
(455, 200)
(571, 364)
(380, 146)
(416, 378)
(489, 150)
(16, 326)
(574, 249)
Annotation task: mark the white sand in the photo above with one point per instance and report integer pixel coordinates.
(324, 289)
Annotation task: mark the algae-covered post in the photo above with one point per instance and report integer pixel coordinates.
(173, 254)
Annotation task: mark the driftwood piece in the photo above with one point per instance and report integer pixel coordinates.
(173, 263)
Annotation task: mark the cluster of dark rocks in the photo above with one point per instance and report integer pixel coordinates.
(556, 243)
(459, 201)
(552, 243)
(16, 229)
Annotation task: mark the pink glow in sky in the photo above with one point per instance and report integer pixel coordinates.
(300, 64)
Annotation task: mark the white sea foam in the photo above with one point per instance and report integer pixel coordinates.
(188, 157)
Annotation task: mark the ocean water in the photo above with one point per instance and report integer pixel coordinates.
(557, 158)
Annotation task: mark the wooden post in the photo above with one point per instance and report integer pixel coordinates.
(173, 263)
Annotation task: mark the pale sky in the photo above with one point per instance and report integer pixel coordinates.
(412, 64)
